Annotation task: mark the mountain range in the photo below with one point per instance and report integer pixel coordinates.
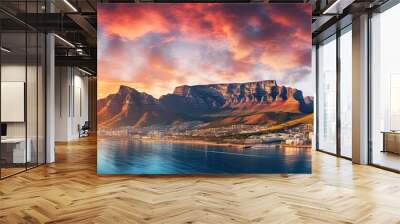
(261, 102)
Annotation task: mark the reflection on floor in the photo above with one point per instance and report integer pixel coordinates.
(70, 191)
(387, 159)
(8, 170)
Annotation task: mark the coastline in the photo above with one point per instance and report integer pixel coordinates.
(194, 142)
(205, 142)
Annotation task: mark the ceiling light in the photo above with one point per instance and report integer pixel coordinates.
(84, 71)
(337, 7)
(64, 40)
(5, 50)
(79, 51)
(70, 5)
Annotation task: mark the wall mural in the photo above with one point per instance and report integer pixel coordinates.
(204, 88)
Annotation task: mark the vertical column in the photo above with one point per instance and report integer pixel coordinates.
(314, 74)
(316, 99)
(338, 91)
(50, 92)
(360, 90)
(50, 98)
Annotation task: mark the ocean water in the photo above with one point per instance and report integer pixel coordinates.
(158, 157)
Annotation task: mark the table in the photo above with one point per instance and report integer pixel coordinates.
(391, 141)
(19, 155)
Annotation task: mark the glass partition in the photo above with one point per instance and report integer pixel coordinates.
(385, 89)
(346, 93)
(31, 97)
(14, 153)
(22, 77)
(327, 95)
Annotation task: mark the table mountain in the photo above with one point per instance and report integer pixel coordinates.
(219, 104)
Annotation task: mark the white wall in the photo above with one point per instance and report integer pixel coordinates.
(71, 102)
(80, 111)
(13, 73)
(61, 103)
(33, 126)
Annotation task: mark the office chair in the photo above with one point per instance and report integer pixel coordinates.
(84, 130)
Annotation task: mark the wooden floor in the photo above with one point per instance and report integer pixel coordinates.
(70, 191)
(5, 172)
(387, 159)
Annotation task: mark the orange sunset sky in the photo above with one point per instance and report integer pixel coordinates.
(156, 47)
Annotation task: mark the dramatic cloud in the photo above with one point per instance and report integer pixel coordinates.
(156, 47)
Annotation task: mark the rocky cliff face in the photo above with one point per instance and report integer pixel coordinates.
(234, 93)
(239, 95)
(128, 107)
(186, 103)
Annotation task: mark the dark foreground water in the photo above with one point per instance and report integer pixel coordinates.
(137, 157)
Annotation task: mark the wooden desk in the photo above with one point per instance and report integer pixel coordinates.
(391, 141)
(19, 155)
